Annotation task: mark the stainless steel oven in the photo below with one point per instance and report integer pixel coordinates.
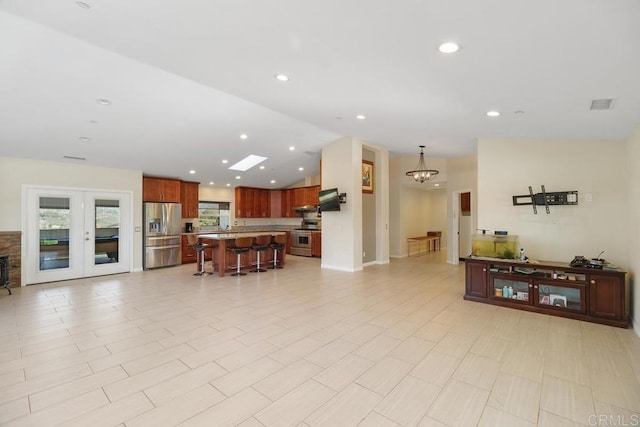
(301, 242)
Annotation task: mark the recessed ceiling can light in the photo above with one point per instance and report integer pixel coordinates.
(292, 148)
(301, 169)
(273, 181)
(225, 161)
(192, 171)
(83, 5)
(361, 117)
(282, 77)
(436, 185)
(262, 167)
(243, 136)
(238, 177)
(493, 113)
(103, 101)
(518, 112)
(84, 139)
(228, 185)
(210, 182)
(449, 47)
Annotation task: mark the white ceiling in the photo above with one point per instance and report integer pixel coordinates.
(187, 77)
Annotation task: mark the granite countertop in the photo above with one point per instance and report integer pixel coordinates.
(228, 236)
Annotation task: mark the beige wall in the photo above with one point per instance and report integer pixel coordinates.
(14, 173)
(599, 168)
(633, 233)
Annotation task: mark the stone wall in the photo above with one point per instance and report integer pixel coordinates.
(10, 245)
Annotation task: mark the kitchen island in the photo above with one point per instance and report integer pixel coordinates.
(220, 242)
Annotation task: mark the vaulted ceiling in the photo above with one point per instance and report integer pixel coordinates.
(186, 79)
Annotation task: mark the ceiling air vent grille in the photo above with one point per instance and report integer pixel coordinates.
(601, 104)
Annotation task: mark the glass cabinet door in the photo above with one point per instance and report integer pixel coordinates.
(517, 290)
(560, 296)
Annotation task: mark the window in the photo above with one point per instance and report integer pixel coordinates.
(213, 215)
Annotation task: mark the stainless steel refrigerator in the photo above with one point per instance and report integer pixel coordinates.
(162, 234)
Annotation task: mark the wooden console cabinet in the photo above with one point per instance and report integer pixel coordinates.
(557, 289)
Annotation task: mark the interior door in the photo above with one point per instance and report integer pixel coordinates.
(71, 234)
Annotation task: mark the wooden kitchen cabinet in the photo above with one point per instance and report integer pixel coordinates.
(311, 195)
(253, 202)
(188, 254)
(160, 190)
(287, 203)
(189, 199)
(316, 244)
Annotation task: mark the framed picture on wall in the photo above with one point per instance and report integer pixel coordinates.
(367, 177)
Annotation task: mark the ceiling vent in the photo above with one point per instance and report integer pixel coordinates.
(601, 104)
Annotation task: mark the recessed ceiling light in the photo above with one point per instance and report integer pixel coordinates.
(192, 171)
(243, 136)
(225, 161)
(238, 177)
(449, 47)
(518, 112)
(360, 117)
(436, 185)
(292, 148)
(210, 182)
(273, 181)
(247, 163)
(262, 167)
(282, 77)
(84, 139)
(103, 101)
(228, 185)
(300, 169)
(493, 113)
(83, 5)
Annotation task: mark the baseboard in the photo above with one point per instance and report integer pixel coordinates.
(367, 264)
(340, 268)
(636, 327)
(397, 256)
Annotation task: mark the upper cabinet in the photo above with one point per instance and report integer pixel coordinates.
(160, 190)
(264, 203)
(253, 202)
(189, 199)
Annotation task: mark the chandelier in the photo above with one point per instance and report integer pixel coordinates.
(422, 174)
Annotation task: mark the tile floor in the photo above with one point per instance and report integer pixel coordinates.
(394, 345)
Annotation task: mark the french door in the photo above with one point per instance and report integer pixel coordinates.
(71, 234)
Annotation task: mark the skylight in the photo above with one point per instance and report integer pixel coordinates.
(247, 163)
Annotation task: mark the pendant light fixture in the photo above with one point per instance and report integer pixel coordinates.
(422, 174)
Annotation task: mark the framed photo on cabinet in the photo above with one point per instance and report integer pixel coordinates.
(367, 177)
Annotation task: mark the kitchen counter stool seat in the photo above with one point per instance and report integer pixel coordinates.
(242, 245)
(198, 248)
(260, 244)
(277, 244)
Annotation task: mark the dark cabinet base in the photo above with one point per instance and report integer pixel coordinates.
(550, 288)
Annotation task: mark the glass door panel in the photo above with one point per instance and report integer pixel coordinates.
(559, 296)
(106, 231)
(516, 290)
(54, 228)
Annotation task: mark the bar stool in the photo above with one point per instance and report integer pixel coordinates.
(277, 244)
(198, 248)
(242, 245)
(261, 244)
